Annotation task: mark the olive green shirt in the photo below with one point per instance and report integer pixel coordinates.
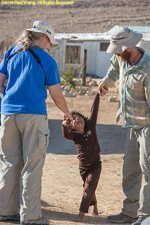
(134, 90)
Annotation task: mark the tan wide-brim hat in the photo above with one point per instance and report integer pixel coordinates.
(43, 27)
(122, 39)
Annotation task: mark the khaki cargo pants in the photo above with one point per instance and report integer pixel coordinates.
(136, 163)
(23, 143)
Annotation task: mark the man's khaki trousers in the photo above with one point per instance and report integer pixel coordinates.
(136, 163)
(23, 143)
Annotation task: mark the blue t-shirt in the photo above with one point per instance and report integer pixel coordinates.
(26, 88)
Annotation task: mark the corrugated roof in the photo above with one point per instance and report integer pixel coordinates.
(101, 36)
(85, 36)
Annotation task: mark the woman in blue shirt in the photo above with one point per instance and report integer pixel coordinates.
(24, 135)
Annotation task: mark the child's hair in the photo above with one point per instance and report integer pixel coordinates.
(79, 114)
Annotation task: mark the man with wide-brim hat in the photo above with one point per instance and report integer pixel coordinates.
(131, 65)
(122, 39)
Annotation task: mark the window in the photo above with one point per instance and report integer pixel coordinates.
(73, 54)
(104, 46)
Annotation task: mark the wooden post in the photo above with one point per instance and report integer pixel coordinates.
(84, 65)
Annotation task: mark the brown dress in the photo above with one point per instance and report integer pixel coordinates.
(89, 156)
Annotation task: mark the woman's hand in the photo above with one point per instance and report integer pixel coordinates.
(66, 122)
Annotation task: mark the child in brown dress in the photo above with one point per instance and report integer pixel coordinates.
(83, 133)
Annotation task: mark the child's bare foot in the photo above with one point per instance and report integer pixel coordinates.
(95, 210)
(79, 217)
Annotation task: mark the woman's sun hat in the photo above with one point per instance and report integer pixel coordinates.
(122, 39)
(43, 27)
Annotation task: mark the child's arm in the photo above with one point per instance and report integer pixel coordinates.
(94, 109)
(65, 129)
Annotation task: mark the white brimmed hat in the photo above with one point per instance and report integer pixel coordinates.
(122, 39)
(43, 27)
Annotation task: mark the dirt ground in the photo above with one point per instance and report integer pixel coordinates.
(61, 182)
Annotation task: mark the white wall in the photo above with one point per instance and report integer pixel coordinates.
(91, 56)
(58, 53)
(97, 61)
(103, 63)
(145, 45)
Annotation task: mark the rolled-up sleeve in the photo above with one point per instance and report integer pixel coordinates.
(113, 71)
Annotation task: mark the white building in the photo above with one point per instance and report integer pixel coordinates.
(71, 46)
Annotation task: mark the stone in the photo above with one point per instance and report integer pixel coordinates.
(92, 83)
(68, 94)
(74, 91)
(113, 98)
(88, 79)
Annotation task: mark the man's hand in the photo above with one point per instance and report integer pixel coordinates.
(103, 88)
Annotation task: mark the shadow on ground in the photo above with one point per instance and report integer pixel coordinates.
(111, 139)
(52, 214)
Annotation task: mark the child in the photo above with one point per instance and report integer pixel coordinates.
(83, 132)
